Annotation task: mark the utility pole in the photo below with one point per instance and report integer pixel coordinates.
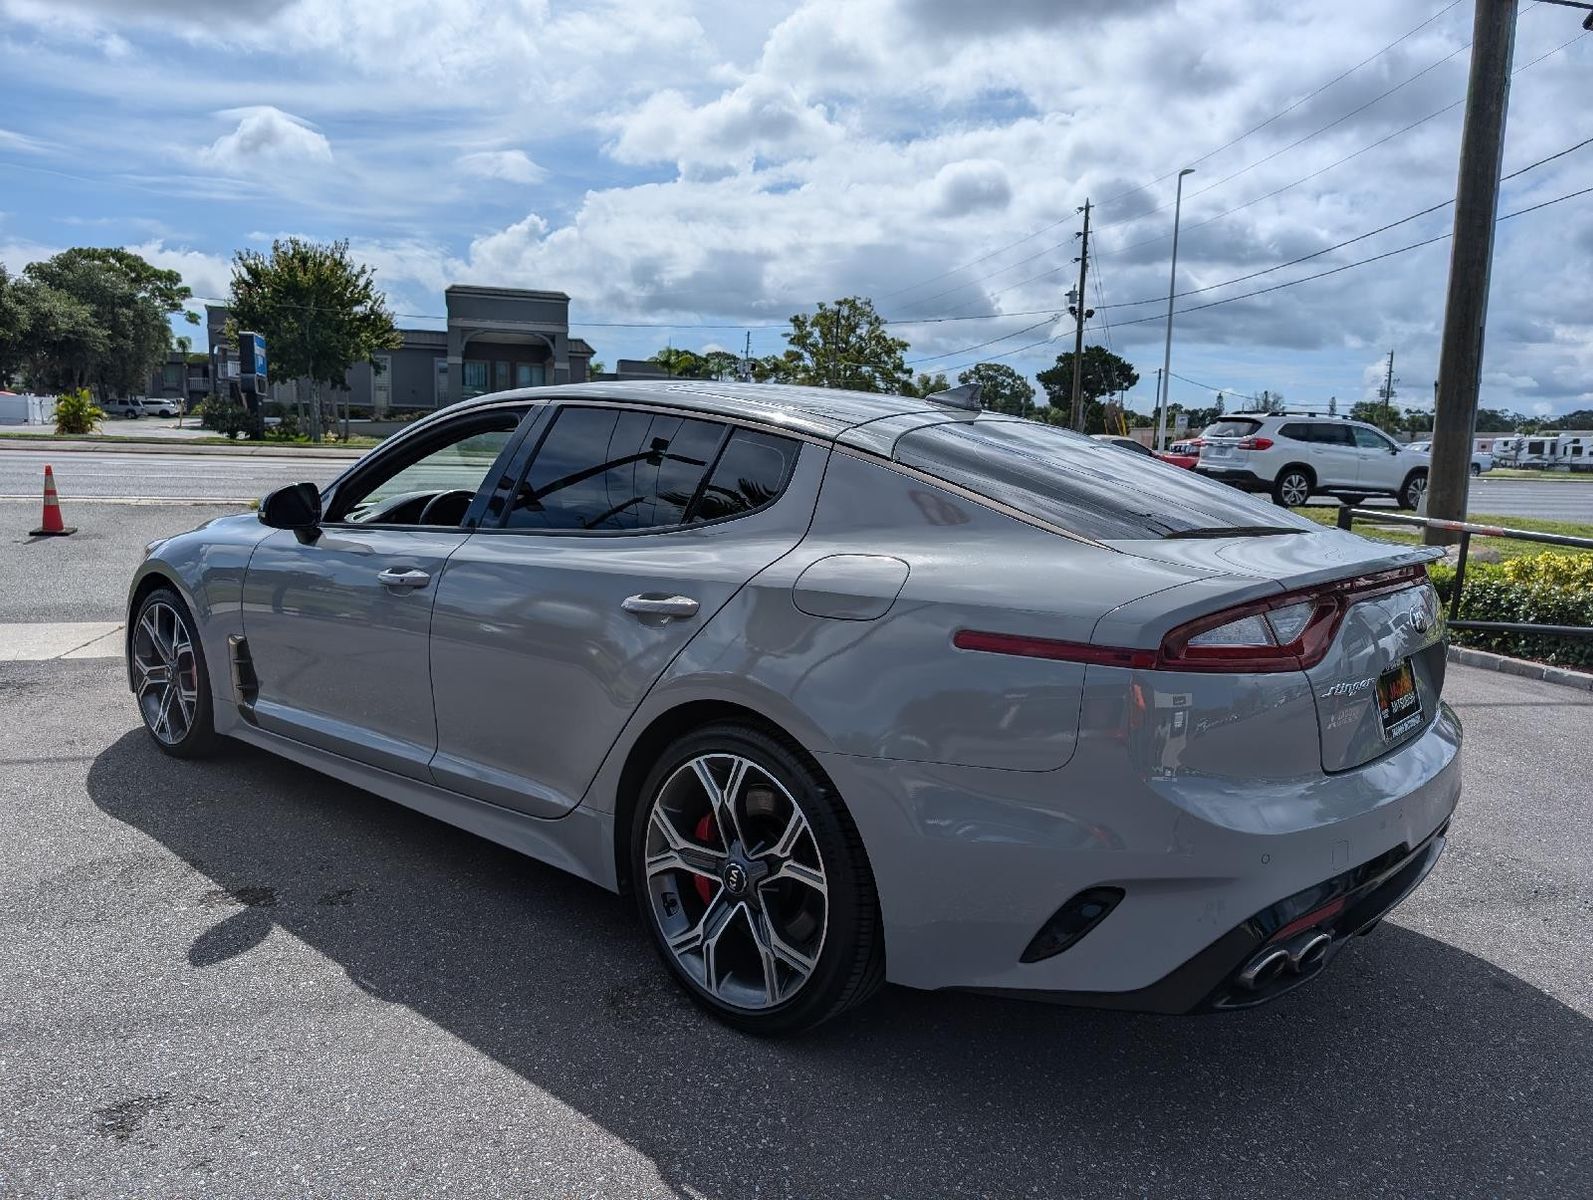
(1470, 262)
(1079, 313)
(1386, 392)
(1167, 346)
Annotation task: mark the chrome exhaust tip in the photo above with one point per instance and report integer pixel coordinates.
(1264, 968)
(1308, 950)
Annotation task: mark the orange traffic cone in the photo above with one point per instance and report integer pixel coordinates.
(52, 525)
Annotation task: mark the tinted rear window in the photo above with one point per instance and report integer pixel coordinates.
(605, 468)
(1079, 484)
(1232, 427)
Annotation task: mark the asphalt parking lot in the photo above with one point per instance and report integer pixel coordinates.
(238, 978)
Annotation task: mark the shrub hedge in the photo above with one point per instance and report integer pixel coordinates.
(1545, 589)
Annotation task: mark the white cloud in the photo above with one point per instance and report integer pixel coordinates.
(512, 166)
(10, 140)
(717, 160)
(267, 138)
(207, 275)
(758, 120)
(973, 185)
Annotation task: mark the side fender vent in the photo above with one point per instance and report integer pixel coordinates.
(245, 686)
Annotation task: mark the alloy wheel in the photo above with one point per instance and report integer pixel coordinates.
(167, 674)
(736, 882)
(1415, 490)
(1295, 489)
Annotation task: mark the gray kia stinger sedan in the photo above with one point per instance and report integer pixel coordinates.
(843, 688)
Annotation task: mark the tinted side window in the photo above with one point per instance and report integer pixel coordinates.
(749, 474)
(606, 468)
(1299, 431)
(1079, 484)
(1330, 434)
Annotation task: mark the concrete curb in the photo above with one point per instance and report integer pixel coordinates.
(58, 446)
(1564, 676)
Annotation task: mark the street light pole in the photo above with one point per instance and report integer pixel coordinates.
(1167, 348)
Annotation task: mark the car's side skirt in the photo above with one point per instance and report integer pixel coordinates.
(580, 842)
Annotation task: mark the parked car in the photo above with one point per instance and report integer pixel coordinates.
(124, 407)
(1481, 460)
(1134, 446)
(842, 688)
(159, 406)
(1293, 457)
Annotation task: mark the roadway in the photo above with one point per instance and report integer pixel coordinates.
(104, 474)
(237, 977)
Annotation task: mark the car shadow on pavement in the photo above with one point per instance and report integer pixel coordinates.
(1411, 1067)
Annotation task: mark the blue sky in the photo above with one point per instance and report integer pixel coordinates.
(702, 164)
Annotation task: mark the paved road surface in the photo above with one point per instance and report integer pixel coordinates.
(155, 476)
(113, 473)
(238, 978)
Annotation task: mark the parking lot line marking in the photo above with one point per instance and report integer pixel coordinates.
(43, 641)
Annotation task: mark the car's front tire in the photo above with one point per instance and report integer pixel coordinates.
(753, 882)
(170, 680)
(1292, 487)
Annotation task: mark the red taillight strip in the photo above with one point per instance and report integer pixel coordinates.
(1038, 647)
(1175, 653)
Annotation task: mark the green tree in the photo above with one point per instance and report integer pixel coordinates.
(926, 384)
(1416, 420)
(319, 310)
(1377, 412)
(845, 345)
(59, 342)
(127, 301)
(13, 324)
(682, 364)
(1103, 374)
(1001, 389)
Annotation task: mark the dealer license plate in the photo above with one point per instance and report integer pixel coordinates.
(1399, 706)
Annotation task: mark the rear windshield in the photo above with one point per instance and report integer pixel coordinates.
(1080, 484)
(1232, 427)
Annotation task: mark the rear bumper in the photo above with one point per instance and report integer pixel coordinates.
(971, 862)
(1342, 907)
(1239, 477)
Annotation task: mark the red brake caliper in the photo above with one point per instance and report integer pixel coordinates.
(709, 836)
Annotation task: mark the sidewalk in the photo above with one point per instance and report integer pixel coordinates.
(58, 445)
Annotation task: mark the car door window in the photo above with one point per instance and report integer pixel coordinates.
(433, 486)
(751, 472)
(607, 469)
(1368, 439)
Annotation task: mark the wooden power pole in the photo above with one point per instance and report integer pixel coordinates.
(1079, 313)
(1470, 261)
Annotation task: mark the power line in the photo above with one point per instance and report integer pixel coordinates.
(1286, 111)
(1358, 238)
(1209, 154)
(1357, 263)
(1257, 200)
(1521, 212)
(1338, 162)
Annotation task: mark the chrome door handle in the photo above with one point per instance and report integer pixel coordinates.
(404, 579)
(652, 605)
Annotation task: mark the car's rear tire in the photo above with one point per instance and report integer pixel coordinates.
(1476, 468)
(753, 882)
(1292, 487)
(1412, 490)
(170, 680)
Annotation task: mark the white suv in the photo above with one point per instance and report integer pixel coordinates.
(1296, 456)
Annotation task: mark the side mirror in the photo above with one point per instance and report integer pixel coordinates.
(297, 506)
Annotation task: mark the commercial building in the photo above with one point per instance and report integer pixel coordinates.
(494, 339)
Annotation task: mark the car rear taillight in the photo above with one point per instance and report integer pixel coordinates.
(1287, 632)
(1255, 443)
